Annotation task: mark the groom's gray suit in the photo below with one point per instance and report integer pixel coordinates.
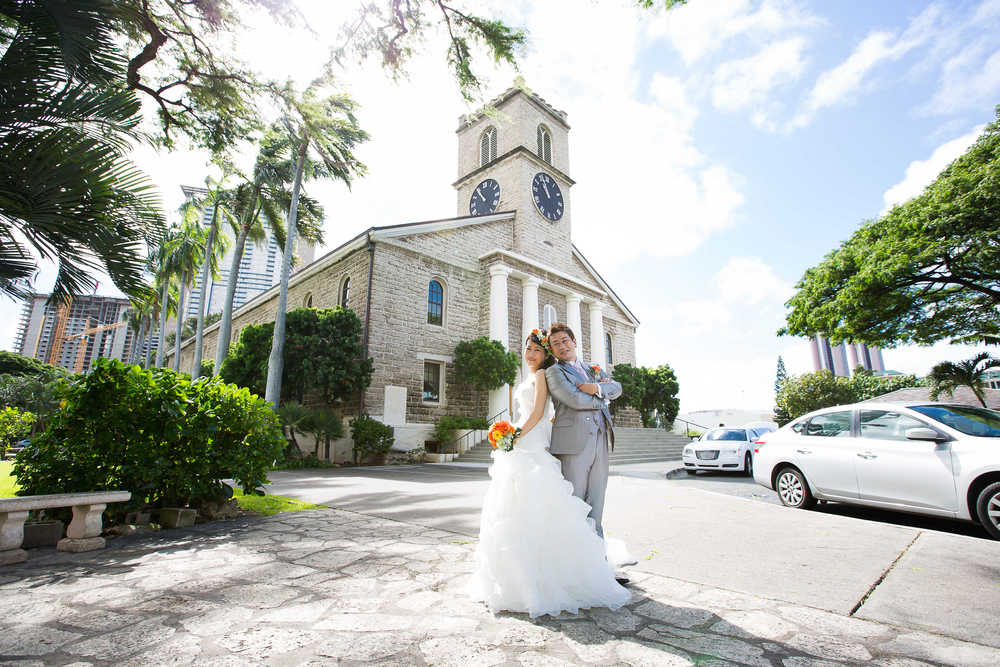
(581, 431)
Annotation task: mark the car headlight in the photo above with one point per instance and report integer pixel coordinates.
(687, 451)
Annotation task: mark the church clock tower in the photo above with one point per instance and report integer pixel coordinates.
(517, 159)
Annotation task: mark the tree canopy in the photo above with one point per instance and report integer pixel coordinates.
(651, 391)
(800, 394)
(926, 271)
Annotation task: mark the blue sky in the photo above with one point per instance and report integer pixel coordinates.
(719, 150)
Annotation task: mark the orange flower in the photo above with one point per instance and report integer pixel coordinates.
(499, 430)
(596, 368)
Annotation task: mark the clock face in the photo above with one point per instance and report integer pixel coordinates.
(485, 198)
(547, 195)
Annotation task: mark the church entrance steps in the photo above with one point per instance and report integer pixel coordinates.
(632, 445)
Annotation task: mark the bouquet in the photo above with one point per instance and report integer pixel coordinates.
(502, 435)
(595, 371)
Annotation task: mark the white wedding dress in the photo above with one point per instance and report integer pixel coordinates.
(538, 552)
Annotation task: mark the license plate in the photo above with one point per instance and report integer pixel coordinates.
(709, 455)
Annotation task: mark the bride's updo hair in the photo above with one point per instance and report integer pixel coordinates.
(540, 337)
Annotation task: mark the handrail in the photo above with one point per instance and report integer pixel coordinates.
(688, 425)
(447, 449)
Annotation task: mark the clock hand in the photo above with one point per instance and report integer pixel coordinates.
(480, 195)
(546, 188)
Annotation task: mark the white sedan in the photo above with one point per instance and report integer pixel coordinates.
(721, 449)
(925, 458)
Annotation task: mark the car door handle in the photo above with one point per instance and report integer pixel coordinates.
(867, 455)
(804, 451)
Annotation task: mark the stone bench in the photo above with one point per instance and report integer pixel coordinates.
(83, 533)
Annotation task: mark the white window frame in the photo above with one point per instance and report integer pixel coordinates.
(430, 359)
(543, 138)
(546, 324)
(488, 140)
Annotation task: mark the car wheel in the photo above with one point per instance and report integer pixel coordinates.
(748, 464)
(988, 509)
(793, 490)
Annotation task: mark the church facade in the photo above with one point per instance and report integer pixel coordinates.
(504, 266)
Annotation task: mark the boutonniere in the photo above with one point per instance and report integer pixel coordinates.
(595, 371)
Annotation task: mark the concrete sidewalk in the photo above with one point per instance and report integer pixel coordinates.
(340, 587)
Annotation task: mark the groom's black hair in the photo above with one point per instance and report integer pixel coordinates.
(561, 326)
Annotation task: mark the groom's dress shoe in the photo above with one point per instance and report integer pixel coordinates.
(621, 579)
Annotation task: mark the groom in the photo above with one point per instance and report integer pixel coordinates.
(582, 427)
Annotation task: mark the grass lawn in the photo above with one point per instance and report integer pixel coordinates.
(7, 483)
(265, 505)
(268, 505)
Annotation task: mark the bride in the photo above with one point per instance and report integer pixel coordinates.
(537, 553)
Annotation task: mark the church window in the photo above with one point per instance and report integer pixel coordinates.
(609, 357)
(544, 148)
(549, 315)
(435, 303)
(432, 382)
(488, 146)
(308, 301)
(345, 292)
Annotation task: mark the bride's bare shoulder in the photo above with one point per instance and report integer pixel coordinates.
(540, 375)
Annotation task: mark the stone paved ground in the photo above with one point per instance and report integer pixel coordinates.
(336, 587)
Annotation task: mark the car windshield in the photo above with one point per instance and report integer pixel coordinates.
(979, 422)
(728, 434)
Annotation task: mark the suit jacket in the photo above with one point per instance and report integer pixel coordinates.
(578, 415)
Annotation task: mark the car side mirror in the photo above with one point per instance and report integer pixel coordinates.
(924, 434)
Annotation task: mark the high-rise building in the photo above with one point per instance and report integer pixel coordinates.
(842, 359)
(260, 266)
(74, 335)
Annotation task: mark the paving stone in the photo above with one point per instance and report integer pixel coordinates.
(264, 641)
(304, 614)
(179, 650)
(659, 586)
(726, 648)
(471, 652)
(218, 621)
(444, 626)
(515, 632)
(363, 622)
(420, 601)
(536, 659)
(646, 654)
(588, 642)
(365, 646)
(619, 621)
(674, 613)
(261, 596)
(125, 642)
(825, 622)
(923, 645)
(752, 625)
(718, 598)
(172, 603)
(831, 647)
(101, 620)
(798, 661)
(34, 640)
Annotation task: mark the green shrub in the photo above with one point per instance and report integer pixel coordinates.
(28, 393)
(370, 437)
(168, 440)
(484, 364)
(447, 427)
(21, 366)
(14, 424)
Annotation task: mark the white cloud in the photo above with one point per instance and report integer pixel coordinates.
(841, 84)
(966, 83)
(751, 281)
(701, 28)
(739, 84)
(920, 173)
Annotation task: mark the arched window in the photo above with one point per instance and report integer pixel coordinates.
(544, 149)
(345, 292)
(307, 302)
(488, 146)
(435, 303)
(609, 357)
(549, 315)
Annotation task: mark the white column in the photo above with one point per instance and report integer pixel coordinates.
(573, 319)
(529, 311)
(499, 398)
(597, 355)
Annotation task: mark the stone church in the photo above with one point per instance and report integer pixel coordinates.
(504, 266)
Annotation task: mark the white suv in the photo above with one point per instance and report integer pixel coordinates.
(926, 458)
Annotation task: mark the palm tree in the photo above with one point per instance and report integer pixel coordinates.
(216, 198)
(187, 252)
(948, 376)
(71, 194)
(327, 126)
(164, 276)
(257, 202)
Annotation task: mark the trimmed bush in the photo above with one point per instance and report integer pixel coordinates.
(168, 440)
(447, 426)
(370, 437)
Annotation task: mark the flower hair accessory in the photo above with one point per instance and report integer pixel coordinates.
(541, 336)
